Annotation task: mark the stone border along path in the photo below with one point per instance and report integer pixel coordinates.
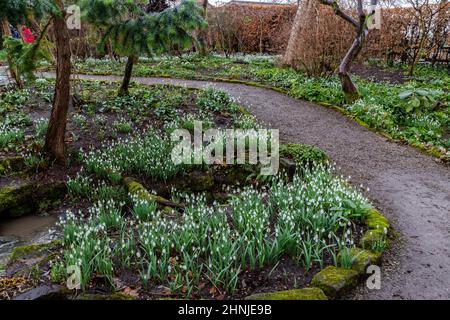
(411, 189)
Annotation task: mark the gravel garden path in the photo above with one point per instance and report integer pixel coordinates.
(410, 188)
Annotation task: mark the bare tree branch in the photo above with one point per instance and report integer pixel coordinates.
(339, 12)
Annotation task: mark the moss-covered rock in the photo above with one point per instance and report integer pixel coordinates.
(33, 250)
(295, 294)
(363, 259)
(135, 188)
(44, 292)
(112, 296)
(138, 189)
(333, 280)
(24, 198)
(375, 220)
(11, 165)
(374, 240)
(15, 200)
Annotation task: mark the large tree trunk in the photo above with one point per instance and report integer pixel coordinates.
(289, 55)
(127, 76)
(14, 73)
(202, 33)
(6, 32)
(54, 140)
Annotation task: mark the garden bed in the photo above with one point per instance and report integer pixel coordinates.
(139, 226)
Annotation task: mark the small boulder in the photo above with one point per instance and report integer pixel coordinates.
(334, 281)
(374, 240)
(34, 250)
(375, 220)
(363, 259)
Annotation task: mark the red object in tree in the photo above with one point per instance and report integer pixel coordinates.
(27, 35)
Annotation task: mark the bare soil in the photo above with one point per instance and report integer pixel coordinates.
(378, 74)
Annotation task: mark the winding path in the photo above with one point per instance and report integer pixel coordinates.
(410, 188)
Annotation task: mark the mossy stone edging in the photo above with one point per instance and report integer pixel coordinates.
(363, 258)
(375, 238)
(375, 220)
(372, 239)
(312, 293)
(335, 281)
